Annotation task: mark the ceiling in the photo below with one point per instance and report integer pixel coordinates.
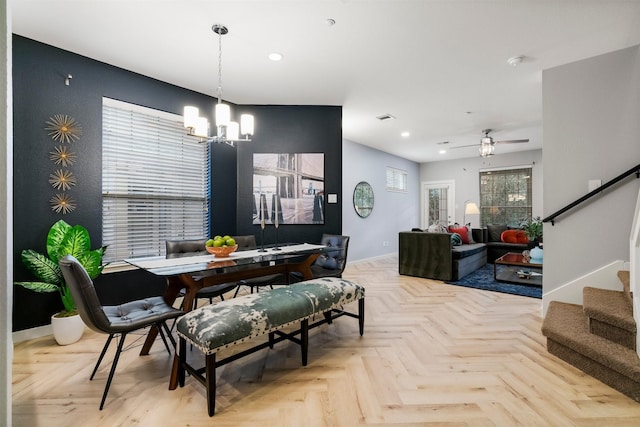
(439, 66)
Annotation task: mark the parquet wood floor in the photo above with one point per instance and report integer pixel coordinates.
(432, 355)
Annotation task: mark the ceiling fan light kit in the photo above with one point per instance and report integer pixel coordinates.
(487, 143)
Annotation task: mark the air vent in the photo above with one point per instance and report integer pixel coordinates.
(385, 117)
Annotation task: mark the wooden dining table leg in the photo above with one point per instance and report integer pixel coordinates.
(174, 285)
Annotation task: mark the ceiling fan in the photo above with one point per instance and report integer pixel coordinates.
(487, 143)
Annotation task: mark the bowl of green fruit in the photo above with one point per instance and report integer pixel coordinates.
(221, 246)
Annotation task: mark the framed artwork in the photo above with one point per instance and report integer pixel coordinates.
(288, 188)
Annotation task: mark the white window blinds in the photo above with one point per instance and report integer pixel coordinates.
(396, 180)
(155, 181)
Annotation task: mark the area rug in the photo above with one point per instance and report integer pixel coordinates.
(483, 279)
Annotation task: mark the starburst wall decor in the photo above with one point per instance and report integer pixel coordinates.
(62, 179)
(62, 157)
(63, 128)
(61, 202)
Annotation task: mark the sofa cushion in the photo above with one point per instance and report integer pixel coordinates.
(462, 231)
(514, 236)
(495, 231)
(459, 252)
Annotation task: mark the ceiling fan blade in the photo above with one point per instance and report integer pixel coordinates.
(511, 141)
(464, 146)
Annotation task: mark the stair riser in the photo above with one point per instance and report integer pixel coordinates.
(613, 333)
(608, 376)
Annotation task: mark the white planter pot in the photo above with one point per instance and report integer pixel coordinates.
(67, 330)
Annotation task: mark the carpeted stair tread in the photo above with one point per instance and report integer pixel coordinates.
(567, 325)
(610, 307)
(625, 278)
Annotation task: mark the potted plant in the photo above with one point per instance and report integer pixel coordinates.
(62, 239)
(533, 228)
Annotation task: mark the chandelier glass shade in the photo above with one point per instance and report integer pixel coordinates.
(227, 131)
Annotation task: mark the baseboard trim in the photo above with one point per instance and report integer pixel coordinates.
(29, 334)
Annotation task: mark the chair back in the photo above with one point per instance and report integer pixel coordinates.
(84, 294)
(334, 259)
(246, 243)
(177, 247)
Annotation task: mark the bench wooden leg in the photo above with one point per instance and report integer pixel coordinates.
(304, 340)
(182, 359)
(361, 315)
(210, 377)
(272, 335)
(327, 317)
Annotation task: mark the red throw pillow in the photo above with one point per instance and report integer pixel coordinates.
(462, 231)
(514, 236)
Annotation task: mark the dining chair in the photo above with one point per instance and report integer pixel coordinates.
(246, 243)
(331, 263)
(117, 320)
(176, 248)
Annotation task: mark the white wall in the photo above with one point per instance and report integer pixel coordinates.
(392, 211)
(465, 174)
(6, 217)
(591, 116)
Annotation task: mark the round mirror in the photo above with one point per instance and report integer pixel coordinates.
(363, 199)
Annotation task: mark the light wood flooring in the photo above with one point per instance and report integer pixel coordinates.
(431, 355)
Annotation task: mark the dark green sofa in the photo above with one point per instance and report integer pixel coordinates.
(432, 256)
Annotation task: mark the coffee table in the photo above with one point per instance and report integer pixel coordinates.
(513, 268)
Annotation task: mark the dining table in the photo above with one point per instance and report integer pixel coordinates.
(194, 271)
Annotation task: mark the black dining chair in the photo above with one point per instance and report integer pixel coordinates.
(331, 263)
(117, 320)
(175, 248)
(246, 243)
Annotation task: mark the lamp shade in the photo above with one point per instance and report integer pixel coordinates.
(223, 114)
(233, 131)
(202, 127)
(190, 116)
(246, 124)
(471, 208)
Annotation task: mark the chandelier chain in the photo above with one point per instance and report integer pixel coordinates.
(219, 67)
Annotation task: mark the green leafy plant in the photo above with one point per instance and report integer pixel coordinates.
(62, 239)
(533, 228)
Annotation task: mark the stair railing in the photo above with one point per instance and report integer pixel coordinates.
(551, 218)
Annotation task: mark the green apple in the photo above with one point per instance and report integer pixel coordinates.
(209, 242)
(218, 242)
(230, 241)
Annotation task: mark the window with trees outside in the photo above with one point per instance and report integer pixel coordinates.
(505, 196)
(155, 181)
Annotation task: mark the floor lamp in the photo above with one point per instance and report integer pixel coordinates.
(470, 208)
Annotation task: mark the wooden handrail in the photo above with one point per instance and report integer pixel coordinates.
(551, 218)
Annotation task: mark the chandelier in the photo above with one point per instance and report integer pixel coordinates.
(227, 130)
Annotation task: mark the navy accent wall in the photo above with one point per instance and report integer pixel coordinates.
(39, 92)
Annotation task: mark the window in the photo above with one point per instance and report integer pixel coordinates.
(155, 181)
(505, 196)
(396, 180)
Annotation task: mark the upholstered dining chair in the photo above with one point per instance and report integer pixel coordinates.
(246, 243)
(114, 320)
(195, 247)
(331, 263)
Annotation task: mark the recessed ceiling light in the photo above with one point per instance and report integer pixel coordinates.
(405, 134)
(275, 56)
(442, 151)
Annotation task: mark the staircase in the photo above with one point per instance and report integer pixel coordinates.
(598, 337)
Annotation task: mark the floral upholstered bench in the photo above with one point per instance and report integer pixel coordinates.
(221, 325)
